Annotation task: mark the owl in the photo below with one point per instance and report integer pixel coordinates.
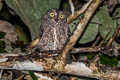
(53, 31)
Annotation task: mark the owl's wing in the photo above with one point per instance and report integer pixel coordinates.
(67, 30)
(36, 40)
(41, 32)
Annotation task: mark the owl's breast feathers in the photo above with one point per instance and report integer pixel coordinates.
(52, 39)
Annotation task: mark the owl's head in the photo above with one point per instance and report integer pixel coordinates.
(55, 15)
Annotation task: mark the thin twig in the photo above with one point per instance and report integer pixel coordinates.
(102, 42)
(114, 36)
(96, 23)
(93, 49)
(71, 7)
(77, 13)
(86, 49)
(96, 41)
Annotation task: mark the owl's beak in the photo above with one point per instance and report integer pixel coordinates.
(56, 20)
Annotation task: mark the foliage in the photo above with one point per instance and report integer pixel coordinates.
(90, 32)
(108, 24)
(31, 12)
(33, 75)
(111, 61)
(102, 24)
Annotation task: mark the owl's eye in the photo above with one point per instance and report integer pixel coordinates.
(61, 16)
(52, 14)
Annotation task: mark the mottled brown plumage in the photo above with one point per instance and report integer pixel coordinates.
(54, 31)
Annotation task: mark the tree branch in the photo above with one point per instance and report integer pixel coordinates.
(94, 49)
(78, 32)
(56, 64)
(77, 13)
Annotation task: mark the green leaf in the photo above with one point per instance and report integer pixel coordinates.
(33, 75)
(111, 61)
(31, 12)
(2, 50)
(73, 25)
(90, 32)
(106, 22)
(2, 35)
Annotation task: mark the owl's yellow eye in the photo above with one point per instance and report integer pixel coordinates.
(52, 14)
(61, 16)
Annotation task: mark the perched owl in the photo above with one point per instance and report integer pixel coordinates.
(53, 32)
